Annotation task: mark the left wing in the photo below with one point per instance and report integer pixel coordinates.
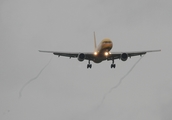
(62, 53)
(88, 56)
(117, 55)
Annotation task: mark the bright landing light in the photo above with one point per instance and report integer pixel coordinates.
(95, 53)
(106, 53)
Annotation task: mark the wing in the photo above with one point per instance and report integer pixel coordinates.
(88, 56)
(117, 55)
(66, 54)
(91, 56)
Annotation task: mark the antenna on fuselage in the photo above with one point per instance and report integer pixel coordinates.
(95, 46)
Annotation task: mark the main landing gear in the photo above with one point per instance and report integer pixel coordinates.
(89, 65)
(113, 65)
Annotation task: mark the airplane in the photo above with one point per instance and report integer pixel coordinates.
(101, 53)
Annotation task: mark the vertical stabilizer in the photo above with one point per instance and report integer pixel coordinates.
(95, 46)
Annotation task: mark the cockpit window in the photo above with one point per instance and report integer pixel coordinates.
(107, 42)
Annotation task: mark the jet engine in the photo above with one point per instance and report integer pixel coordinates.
(124, 56)
(81, 57)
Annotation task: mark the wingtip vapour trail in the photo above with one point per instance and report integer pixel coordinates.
(120, 81)
(21, 90)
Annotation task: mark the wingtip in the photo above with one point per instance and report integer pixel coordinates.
(41, 51)
(158, 50)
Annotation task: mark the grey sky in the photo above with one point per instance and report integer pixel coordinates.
(66, 89)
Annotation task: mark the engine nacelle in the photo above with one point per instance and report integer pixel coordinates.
(124, 56)
(81, 57)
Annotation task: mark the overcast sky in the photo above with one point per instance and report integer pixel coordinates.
(66, 89)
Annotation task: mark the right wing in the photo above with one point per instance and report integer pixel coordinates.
(117, 55)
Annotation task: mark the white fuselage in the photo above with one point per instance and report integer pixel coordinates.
(103, 50)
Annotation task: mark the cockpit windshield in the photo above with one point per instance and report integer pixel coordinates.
(107, 42)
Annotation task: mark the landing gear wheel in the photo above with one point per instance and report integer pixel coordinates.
(113, 65)
(89, 66)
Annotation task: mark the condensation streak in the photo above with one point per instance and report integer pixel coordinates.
(120, 81)
(21, 90)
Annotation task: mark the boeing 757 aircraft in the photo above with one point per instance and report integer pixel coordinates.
(101, 53)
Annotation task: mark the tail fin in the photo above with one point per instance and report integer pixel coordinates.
(95, 46)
